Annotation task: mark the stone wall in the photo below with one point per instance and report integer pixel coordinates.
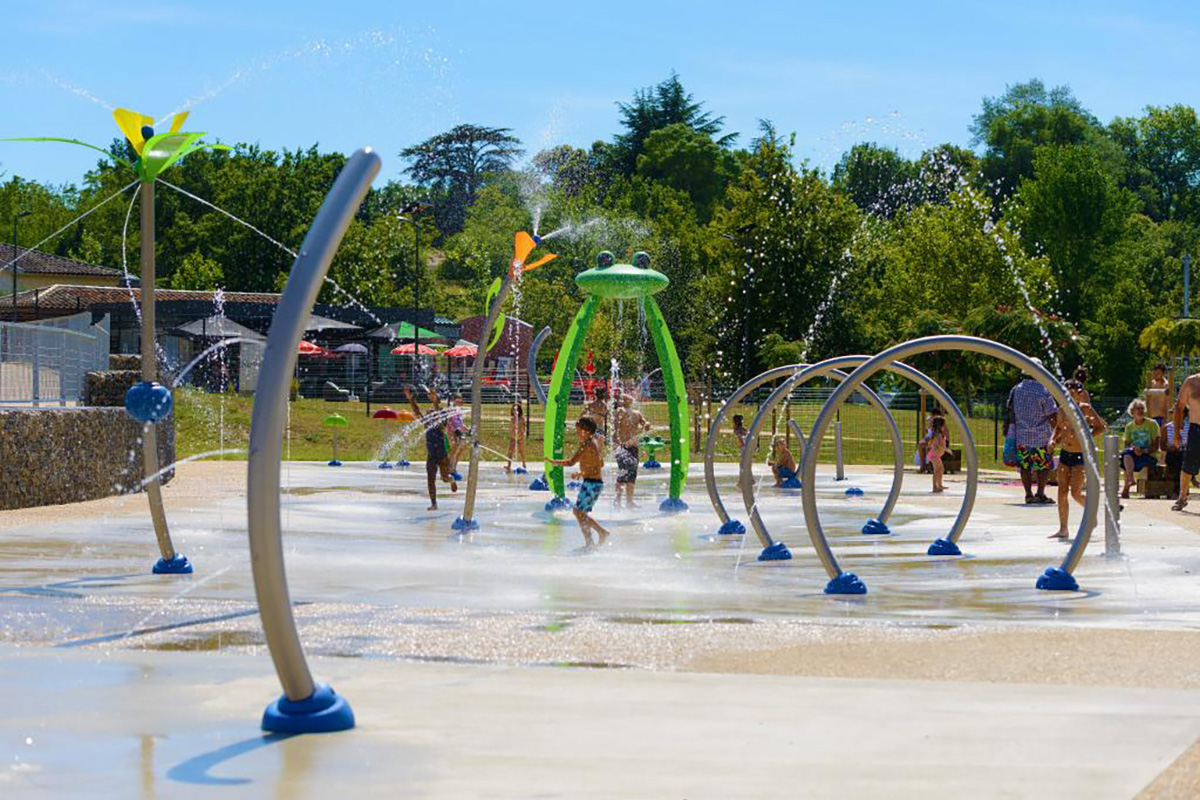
(107, 389)
(65, 455)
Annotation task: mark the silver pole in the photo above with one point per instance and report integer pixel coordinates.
(531, 364)
(158, 512)
(1187, 285)
(468, 516)
(837, 444)
(270, 412)
(1112, 488)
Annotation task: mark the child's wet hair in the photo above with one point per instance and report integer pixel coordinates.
(738, 419)
(587, 424)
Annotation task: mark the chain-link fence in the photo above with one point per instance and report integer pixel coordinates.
(45, 362)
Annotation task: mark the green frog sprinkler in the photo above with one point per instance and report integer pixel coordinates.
(610, 280)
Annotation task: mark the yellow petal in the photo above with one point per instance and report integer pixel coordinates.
(130, 123)
(177, 121)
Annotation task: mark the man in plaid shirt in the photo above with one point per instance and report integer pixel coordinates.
(1034, 414)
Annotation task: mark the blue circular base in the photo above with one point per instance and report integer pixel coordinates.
(558, 504)
(731, 528)
(652, 464)
(539, 485)
(846, 583)
(854, 491)
(943, 547)
(521, 471)
(148, 402)
(179, 565)
(385, 465)
(574, 485)
(776, 552)
(673, 505)
(404, 462)
(324, 712)
(876, 528)
(1057, 579)
(334, 463)
(461, 524)
(792, 483)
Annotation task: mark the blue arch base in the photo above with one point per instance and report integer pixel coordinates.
(325, 711)
(384, 465)
(404, 462)
(731, 528)
(846, 583)
(1057, 579)
(334, 463)
(572, 485)
(179, 565)
(673, 505)
(539, 485)
(652, 463)
(875, 528)
(776, 552)
(943, 547)
(558, 504)
(456, 475)
(520, 471)
(464, 525)
(791, 483)
(854, 491)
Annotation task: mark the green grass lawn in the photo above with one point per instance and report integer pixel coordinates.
(199, 417)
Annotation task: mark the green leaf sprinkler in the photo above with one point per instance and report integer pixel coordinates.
(156, 152)
(610, 280)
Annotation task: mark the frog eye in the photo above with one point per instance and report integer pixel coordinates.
(641, 259)
(605, 260)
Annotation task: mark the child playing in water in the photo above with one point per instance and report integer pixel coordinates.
(516, 435)
(590, 461)
(437, 452)
(935, 448)
(782, 463)
(456, 428)
(740, 432)
(1070, 458)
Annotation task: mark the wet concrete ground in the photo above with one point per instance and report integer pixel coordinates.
(379, 580)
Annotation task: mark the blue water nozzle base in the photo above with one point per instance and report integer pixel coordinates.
(1057, 579)
(558, 504)
(465, 525)
(673, 505)
(776, 552)
(943, 547)
(334, 463)
(854, 491)
(456, 475)
(539, 485)
(652, 464)
(731, 528)
(324, 712)
(521, 471)
(572, 485)
(791, 483)
(404, 462)
(846, 583)
(385, 465)
(179, 565)
(876, 528)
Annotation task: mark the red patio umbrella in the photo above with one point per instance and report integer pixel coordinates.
(407, 350)
(461, 351)
(307, 348)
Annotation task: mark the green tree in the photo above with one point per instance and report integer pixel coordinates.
(197, 272)
(656, 107)
(878, 179)
(1163, 149)
(688, 161)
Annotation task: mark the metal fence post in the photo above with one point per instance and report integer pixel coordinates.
(837, 444)
(1112, 509)
(37, 346)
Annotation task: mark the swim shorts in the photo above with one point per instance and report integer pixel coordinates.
(1068, 459)
(1191, 456)
(1035, 459)
(627, 464)
(589, 493)
(1145, 460)
(787, 474)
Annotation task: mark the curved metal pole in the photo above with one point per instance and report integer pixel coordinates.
(467, 521)
(832, 368)
(158, 512)
(933, 344)
(270, 412)
(531, 364)
(677, 407)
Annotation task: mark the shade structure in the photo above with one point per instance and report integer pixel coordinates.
(319, 323)
(407, 350)
(404, 330)
(310, 349)
(353, 348)
(218, 327)
(461, 351)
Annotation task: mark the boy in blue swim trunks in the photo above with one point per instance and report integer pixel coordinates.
(590, 463)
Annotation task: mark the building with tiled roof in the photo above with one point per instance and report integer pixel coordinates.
(38, 270)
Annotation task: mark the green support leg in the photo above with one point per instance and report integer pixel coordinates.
(559, 396)
(677, 407)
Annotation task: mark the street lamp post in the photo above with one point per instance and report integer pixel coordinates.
(12, 264)
(741, 238)
(408, 213)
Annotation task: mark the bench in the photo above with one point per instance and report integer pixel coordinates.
(1156, 481)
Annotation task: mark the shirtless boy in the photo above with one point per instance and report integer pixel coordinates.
(437, 453)
(1189, 400)
(630, 425)
(590, 461)
(1158, 399)
(1070, 458)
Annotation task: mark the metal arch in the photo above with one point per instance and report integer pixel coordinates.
(831, 368)
(922, 380)
(270, 412)
(710, 449)
(967, 344)
(531, 364)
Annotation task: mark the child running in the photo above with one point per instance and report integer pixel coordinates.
(937, 446)
(437, 453)
(1070, 459)
(782, 463)
(590, 461)
(516, 435)
(457, 430)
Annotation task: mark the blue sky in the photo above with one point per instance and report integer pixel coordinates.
(389, 74)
